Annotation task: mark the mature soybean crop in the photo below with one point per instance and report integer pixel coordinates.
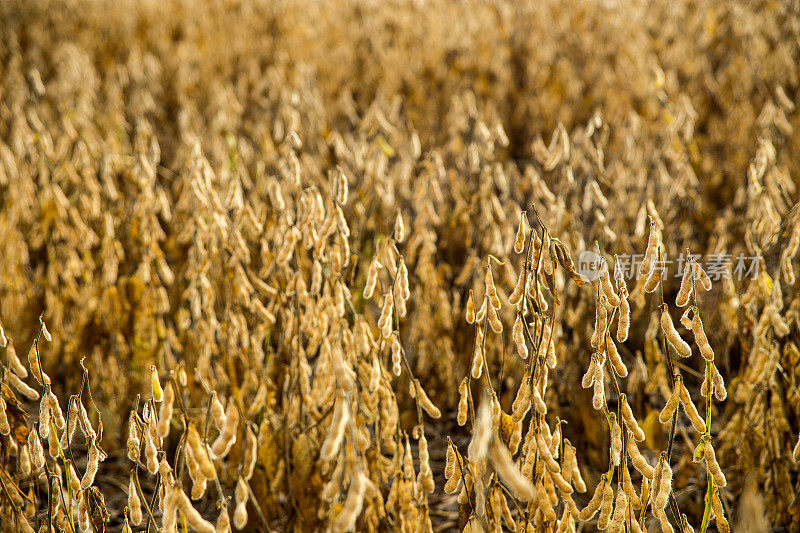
(415, 266)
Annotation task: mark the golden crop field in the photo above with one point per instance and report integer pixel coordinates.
(394, 265)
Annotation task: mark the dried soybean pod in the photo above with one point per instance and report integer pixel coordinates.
(479, 316)
(519, 485)
(399, 227)
(426, 403)
(83, 512)
(372, 278)
(193, 518)
(375, 375)
(491, 290)
(353, 503)
(600, 323)
(630, 420)
(686, 286)
(672, 403)
(616, 440)
(91, 465)
(170, 503)
(651, 252)
(36, 367)
(397, 352)
(620, 509)
(655, 485)
(519, 337)
(644, 492)
(200, 454)
(450, 464)
(538, 402)
(227, 435)
(653, 279)
(333, 441)
(575, 473)
(598, 395)
(690, 409)
(544, 451)
(134, 503)
(150, 453)
(796, 451)
(240, 512)
(563, 486)
(470, 308)
(624, 322)
(547, 261)
(463, 402)
(74, 481)
(719, 513)
(665, 485)
(608, 288)
(55, 410)
(638, 459)
(477, 358)
(5, 428)
(217, 412)
(522, 401)
(385, 321)
(223, 524)
(453, 483)
(14, 362)
(165, 411)
(494, 320)
(36, 450)
(133, 444)
(683, 349)
(685, 319)
(519, 243)
(86, 423)
(700, 338)
(661, 515)
(636, 525)
(588, 377)
(342, 187)
(606, 506)
(22, 387)
(713, 466)
(181, 375)
(614, 358)
(700, 274)
(594, 503)
(515, 298)
(155, 385)
(720, 393)
(199, 481)
(627, 486)
(250, 453)
(786, 269)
